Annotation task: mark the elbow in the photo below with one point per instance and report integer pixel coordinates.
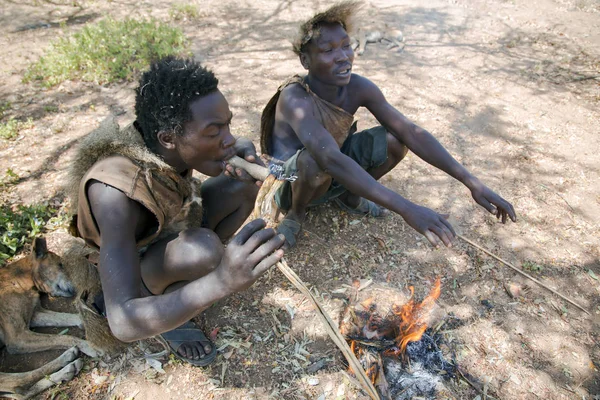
(330, 160)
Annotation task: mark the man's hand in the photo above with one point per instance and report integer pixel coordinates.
(249, 254)
(430, 224)
(246, 150)
(495, 204)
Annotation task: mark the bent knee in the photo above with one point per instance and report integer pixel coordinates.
(396, 149)
(196, 249)
(309, 171)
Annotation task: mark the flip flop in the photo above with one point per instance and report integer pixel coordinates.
(188, 332)
(365, 207)
(290, 229)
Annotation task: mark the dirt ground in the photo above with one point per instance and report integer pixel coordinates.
(511, 88)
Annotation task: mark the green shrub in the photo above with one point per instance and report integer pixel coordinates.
(11, 128)
(11, 177)
(183, 11)
(4, 106)
(108, 51)
(18, 225)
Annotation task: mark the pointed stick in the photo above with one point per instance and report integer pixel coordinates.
(522, 273)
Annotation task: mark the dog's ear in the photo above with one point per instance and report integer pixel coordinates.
(40, 250)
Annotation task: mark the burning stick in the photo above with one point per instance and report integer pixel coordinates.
(272, 179)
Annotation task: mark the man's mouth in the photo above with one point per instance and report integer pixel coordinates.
(229, 154)
(344, 71)
(227, 157)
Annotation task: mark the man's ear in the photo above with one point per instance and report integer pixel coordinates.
(166, 139)
(304, 61)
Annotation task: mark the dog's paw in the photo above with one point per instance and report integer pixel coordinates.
(68, 372)
(89, 350)
(69, 355)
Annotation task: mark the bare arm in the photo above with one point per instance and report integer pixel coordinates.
(133, 317)
(296, 108)
(426, 147)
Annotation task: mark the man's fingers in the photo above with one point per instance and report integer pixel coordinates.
(259, 162)
(248, 230)
(243, 175)
(503, 217)
(268, 262)
(433, 239)
(511, 212)
(258, 239)
(487, 205)
(448, 225)
(266, 249)
(443, 234)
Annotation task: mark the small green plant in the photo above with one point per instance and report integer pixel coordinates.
(11, 128)
(19, 224)
(9, 178)
(533, 267)
(4, 106)
(108, 51)
(181, 11)
(51, 108)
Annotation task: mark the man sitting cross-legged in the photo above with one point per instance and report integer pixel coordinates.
(161, 257)
(309, 125)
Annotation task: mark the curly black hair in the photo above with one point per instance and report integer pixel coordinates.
(164, 94)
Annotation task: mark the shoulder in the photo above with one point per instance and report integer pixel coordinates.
(294, 97)
(365, 92)
(361, 85)
(116, 171)
(111, 208)
(293, 91)
(114, 164)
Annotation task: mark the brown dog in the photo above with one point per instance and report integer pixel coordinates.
(24, 385)
(20, 285)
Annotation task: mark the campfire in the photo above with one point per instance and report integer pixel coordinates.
(397, 350)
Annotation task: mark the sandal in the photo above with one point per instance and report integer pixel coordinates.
(188, 332)
(290, 229)
(365, 207)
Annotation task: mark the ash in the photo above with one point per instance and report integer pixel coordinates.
(423, 376)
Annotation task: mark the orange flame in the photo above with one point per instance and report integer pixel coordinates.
(413, 317)
(409, 324)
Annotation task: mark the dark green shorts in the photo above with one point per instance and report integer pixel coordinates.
(368, 148)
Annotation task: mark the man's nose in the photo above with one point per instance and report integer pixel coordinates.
(228, 139)
(342, 56)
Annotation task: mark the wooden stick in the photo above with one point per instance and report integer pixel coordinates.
(332, 330)
(522, 273)
(261, 173)
(258, 172)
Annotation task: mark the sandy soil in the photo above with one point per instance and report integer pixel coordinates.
(511, 88)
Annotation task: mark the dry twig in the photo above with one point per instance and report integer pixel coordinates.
(263, 200)
(522, 273)
(332, 330)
